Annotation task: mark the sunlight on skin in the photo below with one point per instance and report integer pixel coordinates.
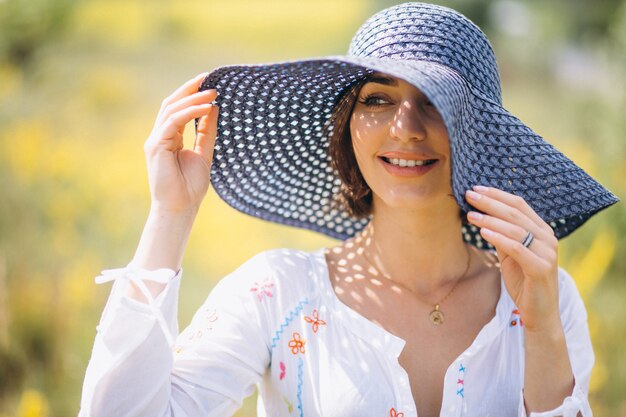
(354, 279)
(40, 152)
(391, 115)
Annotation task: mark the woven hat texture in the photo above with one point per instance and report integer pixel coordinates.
(271, 154)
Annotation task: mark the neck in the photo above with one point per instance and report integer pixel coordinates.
(422, 251)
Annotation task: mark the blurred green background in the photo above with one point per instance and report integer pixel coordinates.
(80, 85)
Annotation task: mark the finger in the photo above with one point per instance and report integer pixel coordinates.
(175, 123)
(539, 246)
(514, 201)
(529, 261)
(510, 230)
(204, 97)
(503, 211)
(187, 88)
(206, 133)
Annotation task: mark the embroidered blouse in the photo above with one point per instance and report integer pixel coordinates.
(277, 324)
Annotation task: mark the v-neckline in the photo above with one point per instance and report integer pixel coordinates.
(391, 345)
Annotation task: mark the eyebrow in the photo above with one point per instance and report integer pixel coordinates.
(382, 79)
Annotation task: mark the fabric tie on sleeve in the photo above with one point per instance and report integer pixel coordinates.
(138, 276)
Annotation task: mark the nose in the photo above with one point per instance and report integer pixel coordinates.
(408, 123)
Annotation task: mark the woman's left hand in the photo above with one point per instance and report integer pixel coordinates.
(529, 273)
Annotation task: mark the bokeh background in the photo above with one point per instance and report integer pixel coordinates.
(80, 85)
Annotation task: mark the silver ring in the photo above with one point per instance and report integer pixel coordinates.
(528, 239)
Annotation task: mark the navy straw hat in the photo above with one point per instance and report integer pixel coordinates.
(271, 155)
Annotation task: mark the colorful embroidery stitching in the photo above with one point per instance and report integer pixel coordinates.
(283, 370)
(299, 393)
(263, 289)
(297, 343)
(289, 405)
(210, 317)
(315, 321)
(460, 382)
(290, 317)
(515, 316)
(195, 335)
(394, 413)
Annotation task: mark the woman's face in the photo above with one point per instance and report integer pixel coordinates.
(401, 145)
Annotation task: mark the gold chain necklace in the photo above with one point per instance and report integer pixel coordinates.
(436, 316)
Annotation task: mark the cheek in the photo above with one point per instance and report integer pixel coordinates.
(357, 127)
(359, 132)
(365, 129)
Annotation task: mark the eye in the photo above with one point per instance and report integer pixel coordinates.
(374, 100)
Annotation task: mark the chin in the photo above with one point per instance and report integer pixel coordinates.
(415, 199)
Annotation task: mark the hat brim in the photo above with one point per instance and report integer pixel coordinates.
(271, 158)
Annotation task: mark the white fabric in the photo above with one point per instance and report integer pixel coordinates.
(250, 331)
(138, 276)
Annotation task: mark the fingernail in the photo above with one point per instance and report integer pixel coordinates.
(487, 232)
(480, 188)
(473, 195)
(474, 215)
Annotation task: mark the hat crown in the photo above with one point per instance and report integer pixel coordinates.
(425, 32)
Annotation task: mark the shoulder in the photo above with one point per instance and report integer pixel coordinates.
(275, 273)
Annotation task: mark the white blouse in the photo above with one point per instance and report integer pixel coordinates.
(277, 323)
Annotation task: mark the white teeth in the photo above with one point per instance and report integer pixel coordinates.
(406, 162)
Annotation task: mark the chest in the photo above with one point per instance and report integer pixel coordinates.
(430, 350)
(429, 355)
(353, 367)
(378, 355)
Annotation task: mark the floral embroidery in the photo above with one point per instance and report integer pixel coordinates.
(210, 317)
(195, 335)
(394, 413)
(282, 370)
(297, 343)
(290, 317)
(315, 320)
(289, 405)
(263, 289)
(460, 382)
(514, 319)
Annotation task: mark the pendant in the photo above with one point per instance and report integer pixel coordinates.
(436, 316)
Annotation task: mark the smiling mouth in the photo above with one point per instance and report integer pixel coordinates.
(408, 162)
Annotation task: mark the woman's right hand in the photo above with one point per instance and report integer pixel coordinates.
(179, 177)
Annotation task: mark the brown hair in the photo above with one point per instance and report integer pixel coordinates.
(355, 195)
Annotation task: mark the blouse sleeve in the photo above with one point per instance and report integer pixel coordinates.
(578, 340)
(137, 370)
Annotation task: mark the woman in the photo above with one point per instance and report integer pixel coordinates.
(413, 314)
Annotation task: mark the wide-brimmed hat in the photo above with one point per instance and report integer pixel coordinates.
(271, 155)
